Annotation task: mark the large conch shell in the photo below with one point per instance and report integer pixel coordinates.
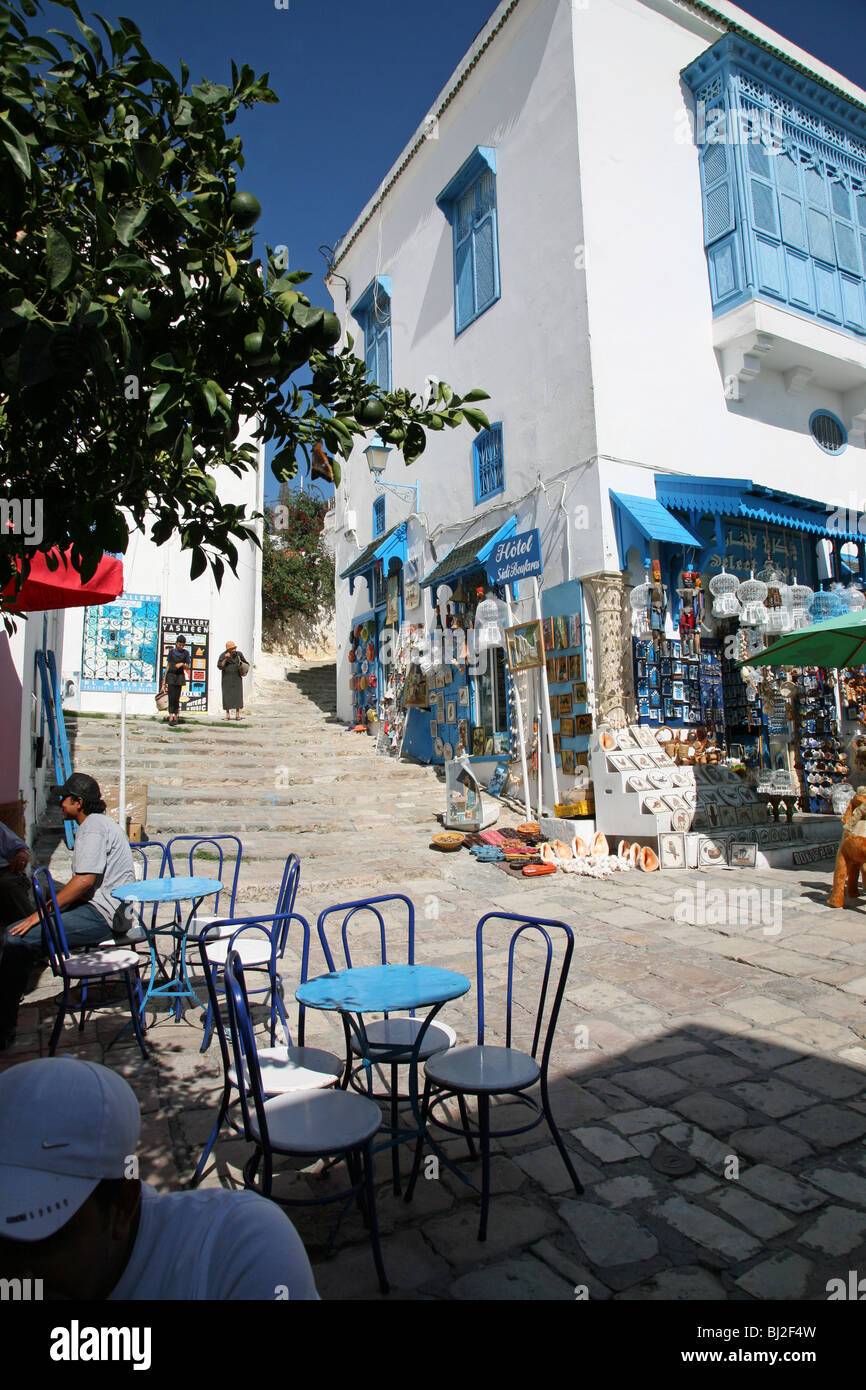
(546, 854)
(562, 850)
(623, 849)
(607, 741)
(600, 846)
(649, 860)
(580, 848)
(634, 855)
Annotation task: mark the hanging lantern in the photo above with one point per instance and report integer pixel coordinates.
(723, 588)
(491, 616)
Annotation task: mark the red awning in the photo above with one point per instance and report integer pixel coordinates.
(62, 588)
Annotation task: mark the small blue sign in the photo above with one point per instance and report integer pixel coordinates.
(517, 557)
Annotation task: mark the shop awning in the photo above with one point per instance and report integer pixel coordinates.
(642, 519)
(392, 543)
(748, 501)
(62, 587)
(467, 558)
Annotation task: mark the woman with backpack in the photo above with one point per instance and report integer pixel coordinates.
(234, 667)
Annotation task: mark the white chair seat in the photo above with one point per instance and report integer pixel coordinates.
(483, 1070)
(286, 1069)
(318, 1122)
(253, 950)
(100, 961)
(403, 1031)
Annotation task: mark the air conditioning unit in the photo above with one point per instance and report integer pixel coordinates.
(350, 521)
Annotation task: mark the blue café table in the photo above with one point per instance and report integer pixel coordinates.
(386, 989)
(170, 890)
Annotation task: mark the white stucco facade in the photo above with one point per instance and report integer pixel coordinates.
(602, 356)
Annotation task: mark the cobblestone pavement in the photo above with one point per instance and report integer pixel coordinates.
(737, 1040)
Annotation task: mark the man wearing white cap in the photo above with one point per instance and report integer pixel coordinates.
(73, 1215)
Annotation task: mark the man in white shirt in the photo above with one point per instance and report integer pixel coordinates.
(73, 1213)
(101, 861)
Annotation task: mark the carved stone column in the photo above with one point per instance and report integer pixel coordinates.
(614, 691)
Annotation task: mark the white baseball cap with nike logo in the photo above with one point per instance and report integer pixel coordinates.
(64, 1126)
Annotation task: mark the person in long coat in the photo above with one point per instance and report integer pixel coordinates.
(233, 684)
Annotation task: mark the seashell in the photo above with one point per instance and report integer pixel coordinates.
(546, 854)
(562, 849)
(580, 848)
(623, 849)
(607, 741)
(634, 855)
(600, 846)
(649, 860)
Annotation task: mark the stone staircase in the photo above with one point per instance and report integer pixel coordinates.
(289, 777)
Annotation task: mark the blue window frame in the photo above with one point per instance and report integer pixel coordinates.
(378, 517)
(373, 312)
(828, 431)
(488, 463)
(469, 203)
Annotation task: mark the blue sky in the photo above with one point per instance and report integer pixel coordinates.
(355, 77)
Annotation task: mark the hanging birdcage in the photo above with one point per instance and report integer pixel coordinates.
(723, 588)
(778, 601)
(824, 605)
(751, 594)
(853, 598)
(491, 616)
(801, 596)
(639, 598)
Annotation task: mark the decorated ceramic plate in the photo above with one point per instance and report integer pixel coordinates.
(645, 737)
(626, 739)
(674, 803)
(638, 784)
(654, 806)
(681, 820)
(711, 852)
(448, 752)
(660, 779)
(438, 747)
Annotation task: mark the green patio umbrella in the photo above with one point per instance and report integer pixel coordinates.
(835, 642)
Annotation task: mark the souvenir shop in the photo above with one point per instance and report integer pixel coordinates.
(727, 567)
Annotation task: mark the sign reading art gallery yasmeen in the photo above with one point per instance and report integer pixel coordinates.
(518, 557)
(197, 634)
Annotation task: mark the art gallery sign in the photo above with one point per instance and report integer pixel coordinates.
(517, 557)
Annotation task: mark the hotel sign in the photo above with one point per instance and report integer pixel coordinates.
(518, 557)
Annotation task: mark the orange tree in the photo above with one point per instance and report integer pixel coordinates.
(137, 331)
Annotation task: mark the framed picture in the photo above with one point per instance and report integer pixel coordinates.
(621, 762)
(743, 856)
(574, 631)
(578, 691)
(711, 853)
(551, 670)
(568, 761)
(547, 629)
(463, 697)
(643, 707)
(451, 712)
(668, 687)
(565, 705)
(392, 599)
(575, 668)
(561, 625)
(449, 675)
(676, 668)
(666, 666)
(478, 741)
(554, 706)
(415, 692)
(581, 759)
(463, 733)
(583, 725)
(489, 747)
(672, 849)
(524, 646)
(561, 669)
(642, 760)
(557, 743)
(566, 728)
(497, 782)
(678, 691)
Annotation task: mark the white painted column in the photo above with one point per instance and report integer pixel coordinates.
(546, 712)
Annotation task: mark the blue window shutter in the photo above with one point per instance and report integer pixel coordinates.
(469, 203)
(463, 283)
(383, 356)
(378, 517)
(370, 347)
(717, 173)
(485, 262)
(488, 463)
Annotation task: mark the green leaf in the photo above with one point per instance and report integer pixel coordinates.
(210, 399)
(198, 564)
(148, 159)
(476, 394)
(58, 256)
(128, 221)
(476, 418)
(16, 148)
(337, 471)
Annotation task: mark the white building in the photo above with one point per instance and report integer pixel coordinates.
(640, 225)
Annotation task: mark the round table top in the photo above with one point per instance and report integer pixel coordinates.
(378, 989)
(166, 890)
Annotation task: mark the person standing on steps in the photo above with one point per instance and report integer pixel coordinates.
(234, 667)
(177, 673)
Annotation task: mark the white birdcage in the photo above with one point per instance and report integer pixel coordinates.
(639, 598)
(853, 598)
(751, 594)
(801, 596)
(491, 616)
(825, 604)
(723, 588)
(778, 602)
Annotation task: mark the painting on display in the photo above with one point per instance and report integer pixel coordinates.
(392, 600)
(196, 631)
(524, 646)
(119, 645)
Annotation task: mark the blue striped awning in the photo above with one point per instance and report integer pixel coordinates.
(642, 519)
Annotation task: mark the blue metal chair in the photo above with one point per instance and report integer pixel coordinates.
(182, 851)
(256, 955)
(96, 963)
(284, 1067)
(383, 1037)
(485, 1070)
(155, 862)
(302, 1124)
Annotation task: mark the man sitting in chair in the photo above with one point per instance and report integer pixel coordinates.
(101, 861)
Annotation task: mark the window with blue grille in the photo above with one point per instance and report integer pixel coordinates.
(488, 463)
(378, 517)
(373, 313)
(469, 203)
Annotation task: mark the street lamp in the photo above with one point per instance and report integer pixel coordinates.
(376, 454)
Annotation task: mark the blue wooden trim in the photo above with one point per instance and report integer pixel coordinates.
(378, 517)
(380, 284)
(482, 157)
(834, 453)
(465, 250)
(506, 530)
(492, 436)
